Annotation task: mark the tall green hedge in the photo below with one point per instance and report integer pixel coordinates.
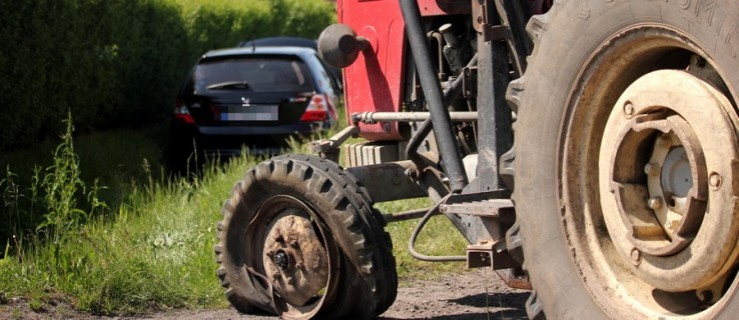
(120, 62)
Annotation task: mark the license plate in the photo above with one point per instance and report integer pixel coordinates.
(251, 113)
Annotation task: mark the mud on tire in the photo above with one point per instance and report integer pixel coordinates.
(587, 53)
(361, 276)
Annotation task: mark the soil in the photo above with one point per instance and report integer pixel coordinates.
(477, 294)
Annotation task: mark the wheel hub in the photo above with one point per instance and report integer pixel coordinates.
(281, 260)
(295, 258)
(668, 142)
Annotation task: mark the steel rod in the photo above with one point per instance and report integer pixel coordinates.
(374, 117)
(440, 118)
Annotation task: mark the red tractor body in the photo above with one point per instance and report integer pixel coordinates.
(376, 82)
(586, 150)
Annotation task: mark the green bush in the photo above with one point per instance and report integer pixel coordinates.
(120, 62)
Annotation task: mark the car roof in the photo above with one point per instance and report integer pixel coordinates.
(280, 42)
(300, 51)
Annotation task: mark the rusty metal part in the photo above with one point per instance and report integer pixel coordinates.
(329, 148)
(516, 280)
(676, 148)
(494, 19)
(490, 254)
(488, 208)
(295, 257)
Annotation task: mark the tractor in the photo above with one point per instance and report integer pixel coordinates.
(586, 150)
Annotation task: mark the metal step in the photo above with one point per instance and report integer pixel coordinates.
(483, 208)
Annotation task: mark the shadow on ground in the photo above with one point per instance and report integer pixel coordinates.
(500, 305)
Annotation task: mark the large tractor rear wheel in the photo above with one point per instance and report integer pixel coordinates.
(626, 170)
(299, 238)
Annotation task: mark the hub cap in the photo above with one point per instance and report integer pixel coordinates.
(666, 181)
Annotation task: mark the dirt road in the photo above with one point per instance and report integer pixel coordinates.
(477, 294)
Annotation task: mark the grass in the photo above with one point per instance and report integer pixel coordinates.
(151, 247)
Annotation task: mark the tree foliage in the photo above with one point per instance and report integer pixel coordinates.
(120, 62)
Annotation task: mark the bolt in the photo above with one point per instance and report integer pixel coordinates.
(635, 256)
(652, 169)
(629, 109)
(281, 260)
(299, 265)
(655, 203)
(715, 181)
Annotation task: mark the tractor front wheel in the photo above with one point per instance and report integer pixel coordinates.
(299, 238)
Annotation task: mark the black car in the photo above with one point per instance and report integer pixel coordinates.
(253, 97)
(292, 42)
(280, 42)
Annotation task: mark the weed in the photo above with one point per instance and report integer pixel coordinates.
(62, 185)
(35, 305)
(11, 198)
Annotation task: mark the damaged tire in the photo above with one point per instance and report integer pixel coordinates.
(300, 239)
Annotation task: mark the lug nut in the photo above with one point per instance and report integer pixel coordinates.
(629, 109)
(655, 203)
(715, 181)
(652, 169)
(635, 256)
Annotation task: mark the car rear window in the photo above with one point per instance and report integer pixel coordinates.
(258, 72)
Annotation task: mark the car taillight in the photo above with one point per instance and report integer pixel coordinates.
(318, 109)
(181, 113)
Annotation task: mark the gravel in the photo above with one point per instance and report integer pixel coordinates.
(476, 294)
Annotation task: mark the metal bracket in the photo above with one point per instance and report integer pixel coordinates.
(486, 254)
(469, 82)
(515, 278)
(329, 148)
(493, 33)
(389, 181)
(493, 208)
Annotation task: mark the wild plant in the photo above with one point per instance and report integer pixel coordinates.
(63, 187)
